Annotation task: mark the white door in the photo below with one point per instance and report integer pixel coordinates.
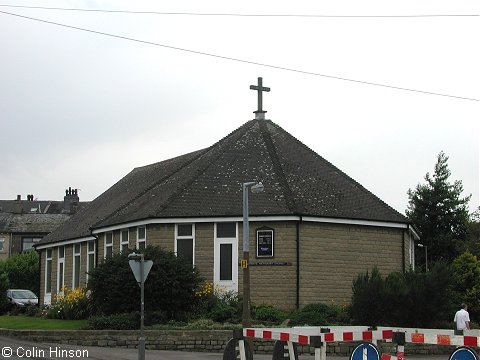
(225, 266)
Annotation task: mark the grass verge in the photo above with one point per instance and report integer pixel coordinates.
(37, 323)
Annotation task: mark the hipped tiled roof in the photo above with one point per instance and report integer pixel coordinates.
(208, 183)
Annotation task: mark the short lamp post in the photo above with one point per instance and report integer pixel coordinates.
(426, 255)
(255, 188)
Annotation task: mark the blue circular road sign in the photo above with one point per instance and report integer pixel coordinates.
(366, 351)
(463, 353)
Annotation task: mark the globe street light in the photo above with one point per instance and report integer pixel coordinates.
(255, 188)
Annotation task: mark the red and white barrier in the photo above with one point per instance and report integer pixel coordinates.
(314, 336)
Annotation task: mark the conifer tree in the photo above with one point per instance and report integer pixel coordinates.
(438, 211)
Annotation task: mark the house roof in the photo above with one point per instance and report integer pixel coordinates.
(38, 216)
(208, 183)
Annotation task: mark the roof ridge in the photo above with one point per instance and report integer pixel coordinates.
(237, 133)
(342, 173)
(287, 191)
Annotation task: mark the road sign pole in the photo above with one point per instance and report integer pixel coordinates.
(141, 340)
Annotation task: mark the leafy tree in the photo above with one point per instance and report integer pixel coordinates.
(439, 213)
(22, 271)
(466, 274)
(169, 288)
(472, 242)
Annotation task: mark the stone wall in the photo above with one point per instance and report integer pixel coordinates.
(191, 340)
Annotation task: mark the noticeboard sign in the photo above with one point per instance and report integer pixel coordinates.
(264, 243)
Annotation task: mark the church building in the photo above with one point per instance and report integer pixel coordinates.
(312, 229)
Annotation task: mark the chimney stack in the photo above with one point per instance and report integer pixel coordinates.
(70, 201)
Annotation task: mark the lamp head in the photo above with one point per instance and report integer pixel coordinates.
(257, 188)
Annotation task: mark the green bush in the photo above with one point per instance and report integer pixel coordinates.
(320, 314)
(268, 313)
(3, 291)
(413, 299)
(466, 276)
(367, 298)
(169, 288)
(227, 307)
(130, 321)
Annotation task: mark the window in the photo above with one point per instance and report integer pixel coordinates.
(28, 242)
(141, 237)
(108, 245)
(124, 240)
(48, 271)
(90, 257)
(76, 265)
(2, 244)
(185, 242)
(61, 269)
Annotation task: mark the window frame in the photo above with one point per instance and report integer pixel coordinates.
(60, 264)
(185, 237)
(109, 246)
(76, 254)
(48, 271)
(123, 241)
(143, 240)
(33, 238)
(91, 252)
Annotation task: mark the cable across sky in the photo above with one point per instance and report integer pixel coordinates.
(234, 59)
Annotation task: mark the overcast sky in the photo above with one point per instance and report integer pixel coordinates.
(82, 109)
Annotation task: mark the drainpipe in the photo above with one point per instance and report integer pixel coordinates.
(297, 300)
(403, 250)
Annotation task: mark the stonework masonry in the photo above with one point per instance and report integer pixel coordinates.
(190, 340)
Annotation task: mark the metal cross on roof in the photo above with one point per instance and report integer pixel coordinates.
(260, 113)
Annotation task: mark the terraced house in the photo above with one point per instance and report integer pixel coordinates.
(312, 229)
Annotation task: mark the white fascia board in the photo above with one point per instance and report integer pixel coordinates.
(414, 233)
(65, 242)
(355, 222)
(193, 221)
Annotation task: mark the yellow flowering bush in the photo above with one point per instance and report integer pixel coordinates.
(71, 304)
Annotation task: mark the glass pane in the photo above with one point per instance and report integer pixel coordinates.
(1, 244)
(48, 282)
(225, 261)
(77, 248)
(108, 252)
(60, 277)
(226, 230)
(185, 249)
(141, 233)
(61, 251)
(49, 253)
(91, 246)
(141, 245)
(108, 238)
(91, 262)
(124, 235)
(76, 274)
(184, 229)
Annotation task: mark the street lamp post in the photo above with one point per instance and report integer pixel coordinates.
(256, 188)
(426, 255)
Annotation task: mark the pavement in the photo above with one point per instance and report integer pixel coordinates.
(17, 349)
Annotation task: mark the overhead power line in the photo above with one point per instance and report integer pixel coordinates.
(234, 14)
(235, 59)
